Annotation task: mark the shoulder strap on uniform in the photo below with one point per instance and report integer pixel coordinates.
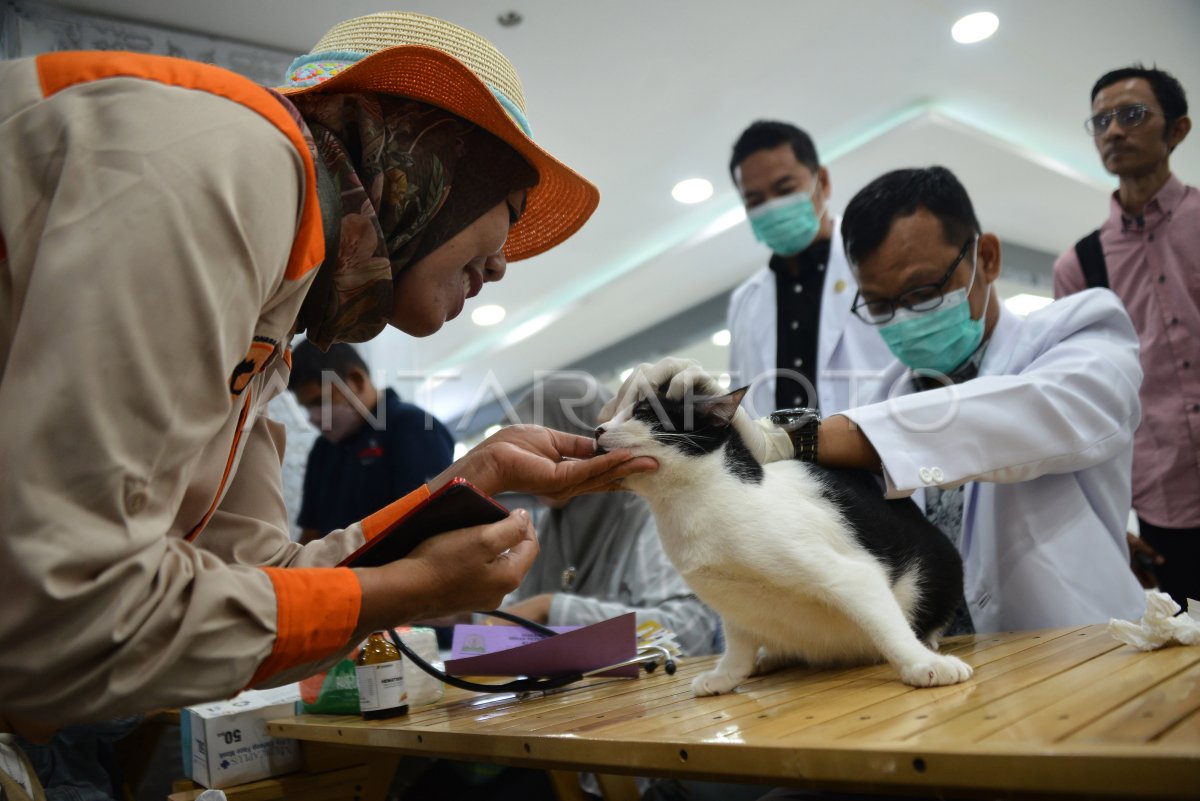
(1091, 260)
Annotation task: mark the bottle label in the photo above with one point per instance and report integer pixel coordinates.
(381, 686)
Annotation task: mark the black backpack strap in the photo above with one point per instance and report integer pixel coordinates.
(1091, 260)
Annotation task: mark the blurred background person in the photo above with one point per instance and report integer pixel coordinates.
(791, 330)
(373, 448)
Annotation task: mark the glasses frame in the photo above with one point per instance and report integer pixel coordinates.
(859, 308)
(1098, 124)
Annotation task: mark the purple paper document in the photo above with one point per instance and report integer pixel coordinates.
(514, 651)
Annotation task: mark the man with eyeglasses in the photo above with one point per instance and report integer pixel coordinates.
(1016, 433)
(1148, 252)
(792, 337)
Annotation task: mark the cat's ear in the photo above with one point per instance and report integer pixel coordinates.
(722, 407)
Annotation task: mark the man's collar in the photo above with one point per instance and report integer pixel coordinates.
(1164, 202)
(815, 254)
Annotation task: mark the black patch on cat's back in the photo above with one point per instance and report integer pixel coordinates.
(898, 534)
(740, 462)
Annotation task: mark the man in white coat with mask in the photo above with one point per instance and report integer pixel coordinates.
(1028, 422)
(792, 336)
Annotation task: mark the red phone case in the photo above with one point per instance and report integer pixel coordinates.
(457, 505)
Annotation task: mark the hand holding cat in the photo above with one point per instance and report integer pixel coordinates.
(684, 378)
(542, 461)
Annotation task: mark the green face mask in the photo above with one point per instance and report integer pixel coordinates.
(787, 225)
(939, 340)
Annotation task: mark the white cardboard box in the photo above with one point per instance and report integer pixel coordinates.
(225, 743)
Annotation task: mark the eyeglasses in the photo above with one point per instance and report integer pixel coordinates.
(920, 298)
(1130, 116)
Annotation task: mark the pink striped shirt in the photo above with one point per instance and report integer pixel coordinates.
(1154, 267)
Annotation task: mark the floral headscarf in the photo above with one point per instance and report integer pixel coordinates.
(411, 176)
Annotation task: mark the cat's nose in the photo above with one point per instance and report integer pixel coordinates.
(599, 447)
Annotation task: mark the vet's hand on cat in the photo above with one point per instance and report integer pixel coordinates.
(685, 378)
(542, 461)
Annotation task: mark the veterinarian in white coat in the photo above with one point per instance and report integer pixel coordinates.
(1037, 423)
(1034, 417)
(786, 193)
(1044, 435)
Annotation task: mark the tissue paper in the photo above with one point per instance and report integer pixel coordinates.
(1160, 625)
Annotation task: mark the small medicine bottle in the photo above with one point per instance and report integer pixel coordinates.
(380, 675)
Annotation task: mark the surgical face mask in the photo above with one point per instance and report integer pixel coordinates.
(941, 339)
(336, 423)
(788, 224)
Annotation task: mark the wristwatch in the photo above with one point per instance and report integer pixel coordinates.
(801, 426)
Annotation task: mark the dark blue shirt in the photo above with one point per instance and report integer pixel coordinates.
(360, 475)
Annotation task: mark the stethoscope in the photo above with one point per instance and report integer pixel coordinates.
(647, 656)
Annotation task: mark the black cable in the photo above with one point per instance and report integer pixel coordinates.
(514, 686)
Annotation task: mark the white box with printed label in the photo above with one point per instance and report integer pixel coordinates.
(225, 743)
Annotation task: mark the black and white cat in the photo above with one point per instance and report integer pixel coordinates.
(808, 564)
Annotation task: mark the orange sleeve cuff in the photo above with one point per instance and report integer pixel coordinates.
(377, 523)
(316, 614)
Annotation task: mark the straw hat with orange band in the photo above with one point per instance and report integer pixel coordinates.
(437, 62)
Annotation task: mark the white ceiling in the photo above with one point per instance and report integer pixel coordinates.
(639, 95)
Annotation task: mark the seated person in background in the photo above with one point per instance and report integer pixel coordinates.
(369, 454)
(600, 554)
(1018, 433)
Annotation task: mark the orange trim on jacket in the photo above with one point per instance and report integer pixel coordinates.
(58, 71)
(377, 523)
(317, 613)
(237, 437)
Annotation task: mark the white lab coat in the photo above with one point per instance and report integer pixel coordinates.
(1045, 435)
(850, 354)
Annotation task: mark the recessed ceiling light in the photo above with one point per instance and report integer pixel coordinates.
(975, 27)
(693, 190)
(625, 374)
(490, 430)
(721, 338)
(487, 315)
(724, 379)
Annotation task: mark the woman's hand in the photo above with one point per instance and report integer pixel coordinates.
(542, 461)
(458, 571)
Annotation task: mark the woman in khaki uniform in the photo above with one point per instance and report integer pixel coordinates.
(165, 228)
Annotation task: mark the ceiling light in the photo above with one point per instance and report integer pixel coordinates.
(1025, 304)
(693, 190)
(721, 338)
(625, 375)
(490, 430)
(975, 27)
(487, 315)
(724, 379)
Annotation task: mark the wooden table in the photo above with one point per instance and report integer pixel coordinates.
(1057, 712)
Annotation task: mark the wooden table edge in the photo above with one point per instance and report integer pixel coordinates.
(1102, 770)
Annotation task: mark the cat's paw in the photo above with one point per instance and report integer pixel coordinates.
(936, 671)
(714, 682)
